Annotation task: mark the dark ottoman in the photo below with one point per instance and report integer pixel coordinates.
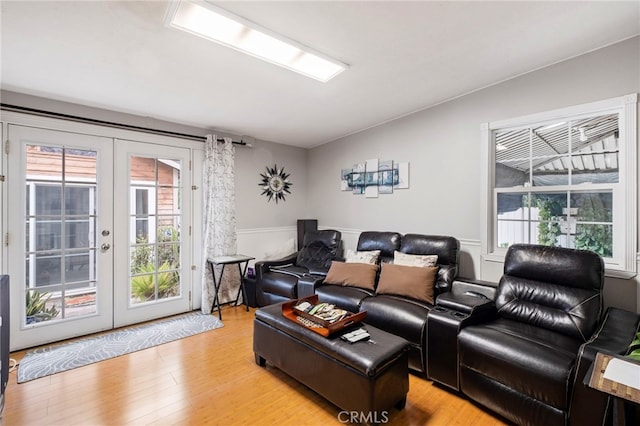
(368, 377)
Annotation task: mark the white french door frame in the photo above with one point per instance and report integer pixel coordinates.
(192, 269)
(125, 312)
(99, 281)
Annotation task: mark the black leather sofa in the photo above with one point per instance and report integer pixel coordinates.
(526, 354)
(277, 280)
(399, 315)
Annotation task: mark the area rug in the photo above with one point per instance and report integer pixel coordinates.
(55, 359)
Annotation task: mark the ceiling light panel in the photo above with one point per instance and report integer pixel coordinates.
(213, 23)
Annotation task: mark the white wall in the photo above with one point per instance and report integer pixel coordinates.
(442, 144)
(253, 209)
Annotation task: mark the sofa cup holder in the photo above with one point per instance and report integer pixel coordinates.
(456, 314)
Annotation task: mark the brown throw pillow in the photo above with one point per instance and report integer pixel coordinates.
(361, 275)
(410, 281)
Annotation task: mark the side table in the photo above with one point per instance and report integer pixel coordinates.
(620, 384)
(234, 259)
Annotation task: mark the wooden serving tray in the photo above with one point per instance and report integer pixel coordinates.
(326, 328)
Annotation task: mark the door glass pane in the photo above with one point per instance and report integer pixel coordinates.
(80, 265)
(154, 222)
(82, 302)
(60, 220)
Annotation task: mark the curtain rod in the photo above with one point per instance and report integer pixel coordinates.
(69, 117)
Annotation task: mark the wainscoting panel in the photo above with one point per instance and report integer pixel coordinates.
(263, 243)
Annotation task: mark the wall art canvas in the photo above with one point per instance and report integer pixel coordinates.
(385, 177)
(375, 177)
(402, 176)
(371, 179)
(357, 178)
(345, 180)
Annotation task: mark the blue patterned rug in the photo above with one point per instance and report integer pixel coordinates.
(55, 359)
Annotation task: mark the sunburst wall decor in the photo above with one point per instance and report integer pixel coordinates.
(274, 183)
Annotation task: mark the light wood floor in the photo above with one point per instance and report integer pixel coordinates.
(210, 378)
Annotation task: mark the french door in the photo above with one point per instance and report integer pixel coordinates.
(99, 233)
(153, 221)
(60, 224)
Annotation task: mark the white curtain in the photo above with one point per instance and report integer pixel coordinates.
(219, 219)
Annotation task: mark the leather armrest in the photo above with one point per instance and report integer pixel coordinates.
(617, 330)
(320, 271)
(471, 286)
(468, 303)
(307, 285)
(264, 265)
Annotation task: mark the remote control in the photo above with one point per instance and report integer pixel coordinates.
(359, 337)
(354, 333)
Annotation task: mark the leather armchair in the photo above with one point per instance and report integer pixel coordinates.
(528, 362)
(277, 280)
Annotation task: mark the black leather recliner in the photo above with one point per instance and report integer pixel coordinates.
(529, 362)
(277, 280)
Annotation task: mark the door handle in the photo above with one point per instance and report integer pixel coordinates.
(105, 246)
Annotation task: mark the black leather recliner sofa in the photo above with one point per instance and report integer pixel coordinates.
(277, 280)
(522, 349)
(399, 315)
(528, 361)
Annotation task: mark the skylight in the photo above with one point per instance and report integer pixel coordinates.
(215, 24)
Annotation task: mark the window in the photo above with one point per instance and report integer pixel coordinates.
(564, 178)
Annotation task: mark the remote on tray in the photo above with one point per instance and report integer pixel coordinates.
(355, 335)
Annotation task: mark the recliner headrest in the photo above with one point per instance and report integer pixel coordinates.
(556, 265)
(555, 288)
(326, 237)
(386, 242)
(319, 249)
(447, 248)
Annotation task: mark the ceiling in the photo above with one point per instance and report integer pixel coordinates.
(403, 57)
